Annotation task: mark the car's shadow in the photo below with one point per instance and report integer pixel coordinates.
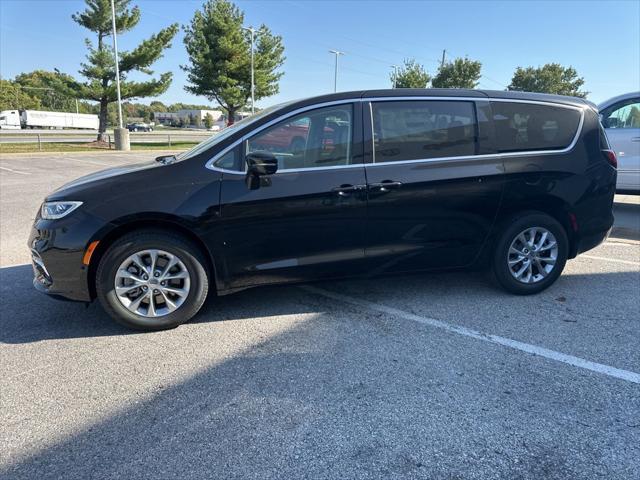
(29, 316)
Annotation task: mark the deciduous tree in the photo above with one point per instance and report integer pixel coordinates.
(12, 97)
(460, 73)
(410, 75)
(49, 88)
(550, 78)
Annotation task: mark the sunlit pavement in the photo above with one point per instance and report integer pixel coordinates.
(424, 376)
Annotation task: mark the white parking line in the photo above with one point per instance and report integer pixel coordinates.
(14, 171)
(607, 259)
(627, 375)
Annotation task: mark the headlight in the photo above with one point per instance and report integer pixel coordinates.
(55, 210)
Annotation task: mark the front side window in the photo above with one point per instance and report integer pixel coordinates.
(622, 115)
(314, 139)
(529, 126)
(230, 161)
(416, 130)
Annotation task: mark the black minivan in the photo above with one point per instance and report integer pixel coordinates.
(349, 184)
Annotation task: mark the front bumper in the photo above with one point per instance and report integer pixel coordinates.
(57, 248)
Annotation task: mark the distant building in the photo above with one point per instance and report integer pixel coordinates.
(187, 117)
(194, 117)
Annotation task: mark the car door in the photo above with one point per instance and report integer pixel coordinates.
(308, 219)
(622, 123)
(432, 199)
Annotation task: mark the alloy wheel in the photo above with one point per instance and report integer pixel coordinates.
(152, 283)
(532, 255)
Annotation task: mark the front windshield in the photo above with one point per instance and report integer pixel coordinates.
(227, 132)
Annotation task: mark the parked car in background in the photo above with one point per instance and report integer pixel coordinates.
(620, 117)
(139, 127)
(386, 181)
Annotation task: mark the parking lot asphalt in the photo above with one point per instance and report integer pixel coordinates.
(438, 376)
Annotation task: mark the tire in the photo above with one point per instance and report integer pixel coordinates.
(537, 273)
(176, 310)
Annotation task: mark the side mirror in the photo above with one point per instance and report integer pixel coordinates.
(261, 163)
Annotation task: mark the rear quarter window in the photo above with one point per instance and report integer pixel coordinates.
(527, 126)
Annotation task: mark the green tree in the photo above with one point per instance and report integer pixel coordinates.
(220, 60)
(208, 121)
(13, 97)
(550, 78)
(460, 73)
(410, 75)
(48, 87)
(99, 69)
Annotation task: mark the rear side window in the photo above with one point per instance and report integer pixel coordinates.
(416, 130)
(528, 126)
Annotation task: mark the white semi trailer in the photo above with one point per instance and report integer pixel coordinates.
(17, 119)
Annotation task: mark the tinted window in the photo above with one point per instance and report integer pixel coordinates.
(622, 115)
(230, 161)
(318, 138)
(527, 126)
(415, 130)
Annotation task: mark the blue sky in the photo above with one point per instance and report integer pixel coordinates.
(601, 39)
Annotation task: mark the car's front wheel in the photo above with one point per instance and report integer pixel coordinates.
(151, 280)
(530, 254)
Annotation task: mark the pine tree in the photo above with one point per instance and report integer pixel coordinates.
(99, 69)
(220, 57)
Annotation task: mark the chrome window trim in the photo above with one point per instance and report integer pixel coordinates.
(210, 163)
(489, 155)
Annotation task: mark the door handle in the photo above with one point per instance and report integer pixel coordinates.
(347, 189)
(635, 139)
(386, 185)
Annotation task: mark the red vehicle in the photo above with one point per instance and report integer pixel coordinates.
(289, 138)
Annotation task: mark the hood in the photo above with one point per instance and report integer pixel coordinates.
(108, 173)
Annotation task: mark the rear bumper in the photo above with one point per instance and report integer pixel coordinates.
(588, 242)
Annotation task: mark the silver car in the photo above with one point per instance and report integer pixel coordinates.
(621, 118)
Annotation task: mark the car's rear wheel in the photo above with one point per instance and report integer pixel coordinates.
(530, 254)
(152, 280)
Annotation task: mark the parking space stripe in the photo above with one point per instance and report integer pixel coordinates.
(618, 373)
(607, 259)
(14, 171)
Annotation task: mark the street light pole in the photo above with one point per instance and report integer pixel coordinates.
(115, 53)
(121, 134)
(335, 74)
(395, 75)
(252, 31)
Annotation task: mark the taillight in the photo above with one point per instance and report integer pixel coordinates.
(610, 155)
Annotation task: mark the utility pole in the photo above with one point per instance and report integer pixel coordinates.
(77, 110)
(335, 74)
(444, 52)
(395, 75)
(252, 31)
(121, 134)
